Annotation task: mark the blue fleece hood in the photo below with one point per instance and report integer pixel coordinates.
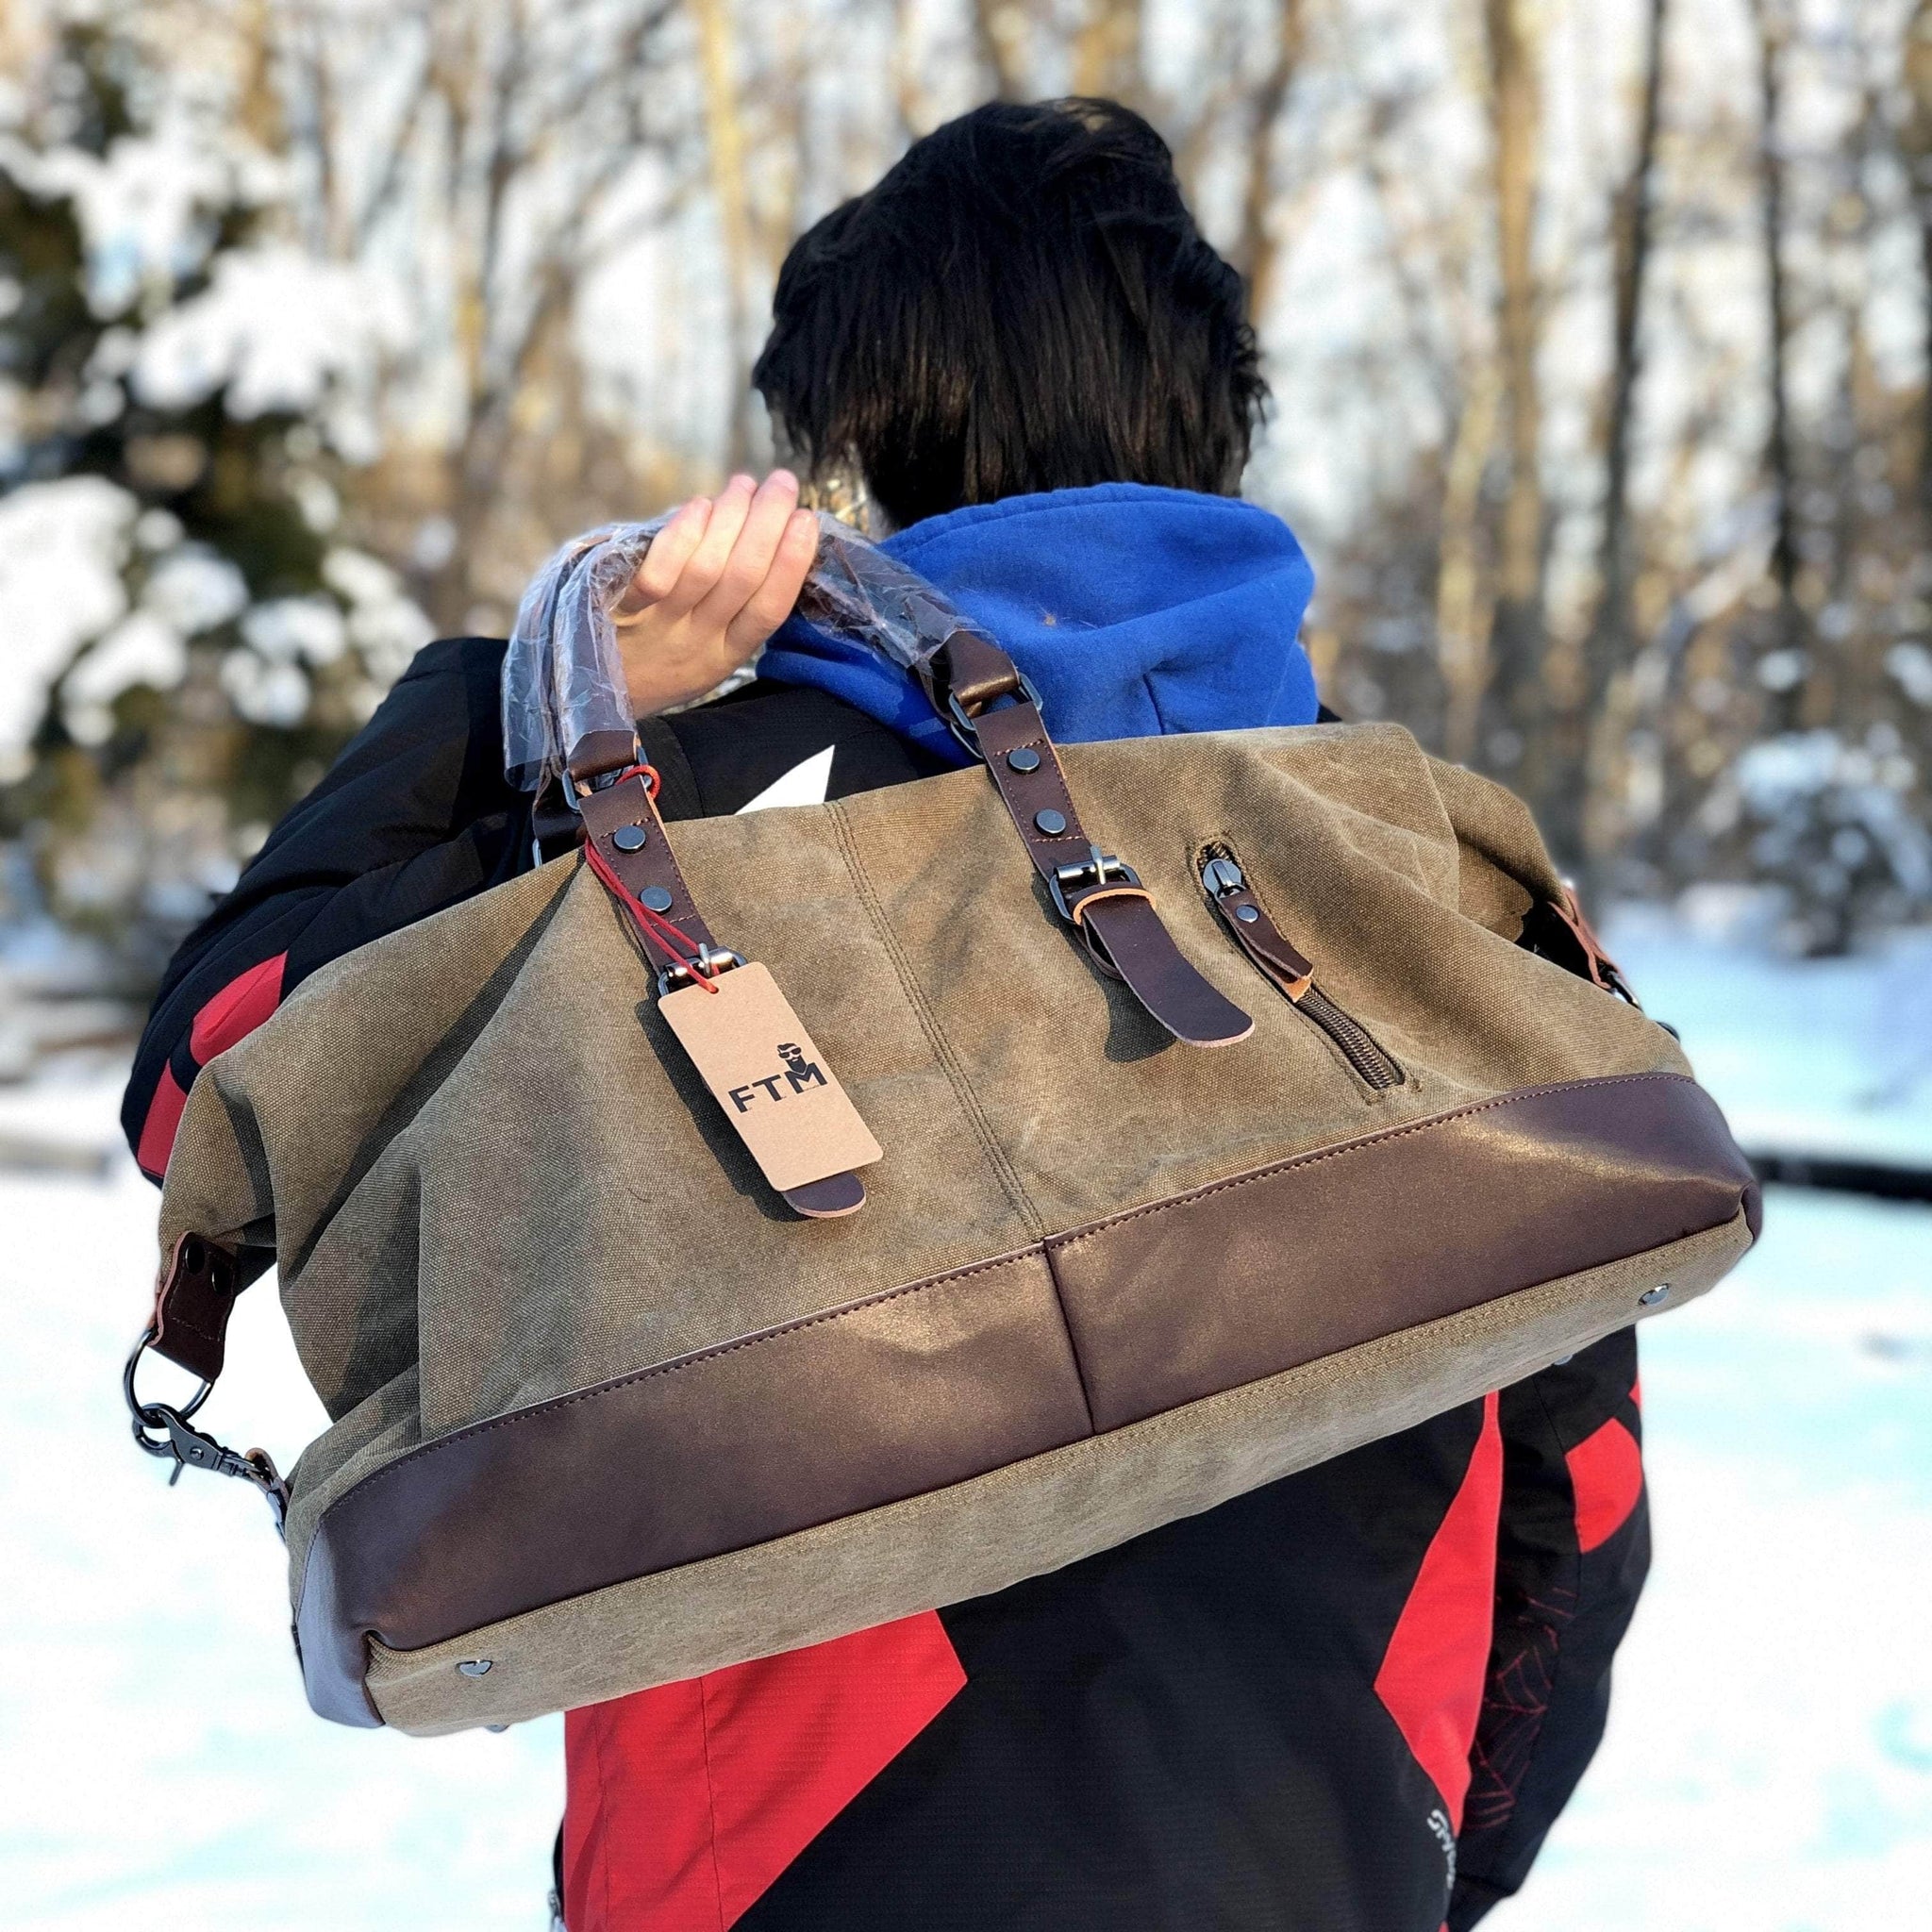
(1135, 610)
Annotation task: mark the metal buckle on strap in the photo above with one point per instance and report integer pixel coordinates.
(710, 959)
(965, 728)
(1099, 869)
(163, 1429)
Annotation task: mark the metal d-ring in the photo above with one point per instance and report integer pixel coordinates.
(154, 1415)
(966, 729)
(189, 1447)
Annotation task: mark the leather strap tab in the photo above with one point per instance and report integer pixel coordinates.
(1131, 937)
(598, 752)
(1083, 907)
(1254, 931)
(192, 1303)
(1558, 930)
(1097, 894)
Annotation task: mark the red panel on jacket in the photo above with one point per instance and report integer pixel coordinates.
(1607, 1478)
(163, 1123)
(237, 1010)
(688, 1801)
(1431, 1680)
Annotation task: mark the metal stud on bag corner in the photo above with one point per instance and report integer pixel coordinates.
(476, 1666)
(1652, 1296)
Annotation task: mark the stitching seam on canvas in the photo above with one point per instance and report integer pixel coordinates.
(1004, 1171)
(1052, 1277)
(1357, 1146)
(692, 1360)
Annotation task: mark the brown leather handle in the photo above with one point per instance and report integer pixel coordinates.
(621, 822)
(622, 828)
(1093, 890)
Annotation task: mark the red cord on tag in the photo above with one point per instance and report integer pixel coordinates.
(678, 942)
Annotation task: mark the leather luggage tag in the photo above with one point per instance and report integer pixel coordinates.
(789, 1111)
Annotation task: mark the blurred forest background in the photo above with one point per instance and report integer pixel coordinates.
(1598, 332)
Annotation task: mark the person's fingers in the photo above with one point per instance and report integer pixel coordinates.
(664, 561)
(706, 564)
(770, 604)
(751, 554)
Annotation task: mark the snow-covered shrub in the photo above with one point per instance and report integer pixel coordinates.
(185, 635)
(1837, 824)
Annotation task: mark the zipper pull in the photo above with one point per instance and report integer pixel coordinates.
(1257, 935)
(1283, 967)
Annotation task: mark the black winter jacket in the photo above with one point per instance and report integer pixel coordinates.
(1352, 1701)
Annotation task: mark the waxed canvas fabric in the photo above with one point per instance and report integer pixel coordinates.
(490, 1179)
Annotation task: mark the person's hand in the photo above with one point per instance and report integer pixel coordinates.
(718, 578)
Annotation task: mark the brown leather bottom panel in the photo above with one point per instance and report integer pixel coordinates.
(908, 1392)
(1281, 1267)
(995, 1531)
(824, 1418)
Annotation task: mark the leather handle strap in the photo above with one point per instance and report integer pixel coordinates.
(965, 680)
(621, 822)
(623, 825)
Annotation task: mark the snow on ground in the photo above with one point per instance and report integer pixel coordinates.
(158, 1765)
(1769, 1763)
(1824, 1057)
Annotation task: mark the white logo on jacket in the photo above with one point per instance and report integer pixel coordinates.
(803, 784)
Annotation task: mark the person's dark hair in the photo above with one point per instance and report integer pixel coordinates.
(1023, 303)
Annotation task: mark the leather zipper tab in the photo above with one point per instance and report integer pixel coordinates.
(1287, 968)
(1246, 918)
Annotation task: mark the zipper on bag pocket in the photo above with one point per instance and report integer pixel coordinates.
(1248, 924)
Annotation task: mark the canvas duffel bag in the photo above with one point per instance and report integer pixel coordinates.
(641, 1363)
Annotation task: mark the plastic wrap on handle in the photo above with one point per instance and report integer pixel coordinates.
(563, 678)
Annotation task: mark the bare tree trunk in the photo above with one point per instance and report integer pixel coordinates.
(1465, 592)
(1517, 633)
(725, 131)
(1588, 750)
(999, 28)
(1774, 34)
(1256, 249)
(1635, 209)
(1915, 146)
(1106, 53)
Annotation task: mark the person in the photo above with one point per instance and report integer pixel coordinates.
(1355, 1698)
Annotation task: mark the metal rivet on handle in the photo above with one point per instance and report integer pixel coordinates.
(1050, 822)
(656, 898)
(1650, 1298)
(475, 1666)
(1024, 759)
(628, 838)
(1247, 914)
